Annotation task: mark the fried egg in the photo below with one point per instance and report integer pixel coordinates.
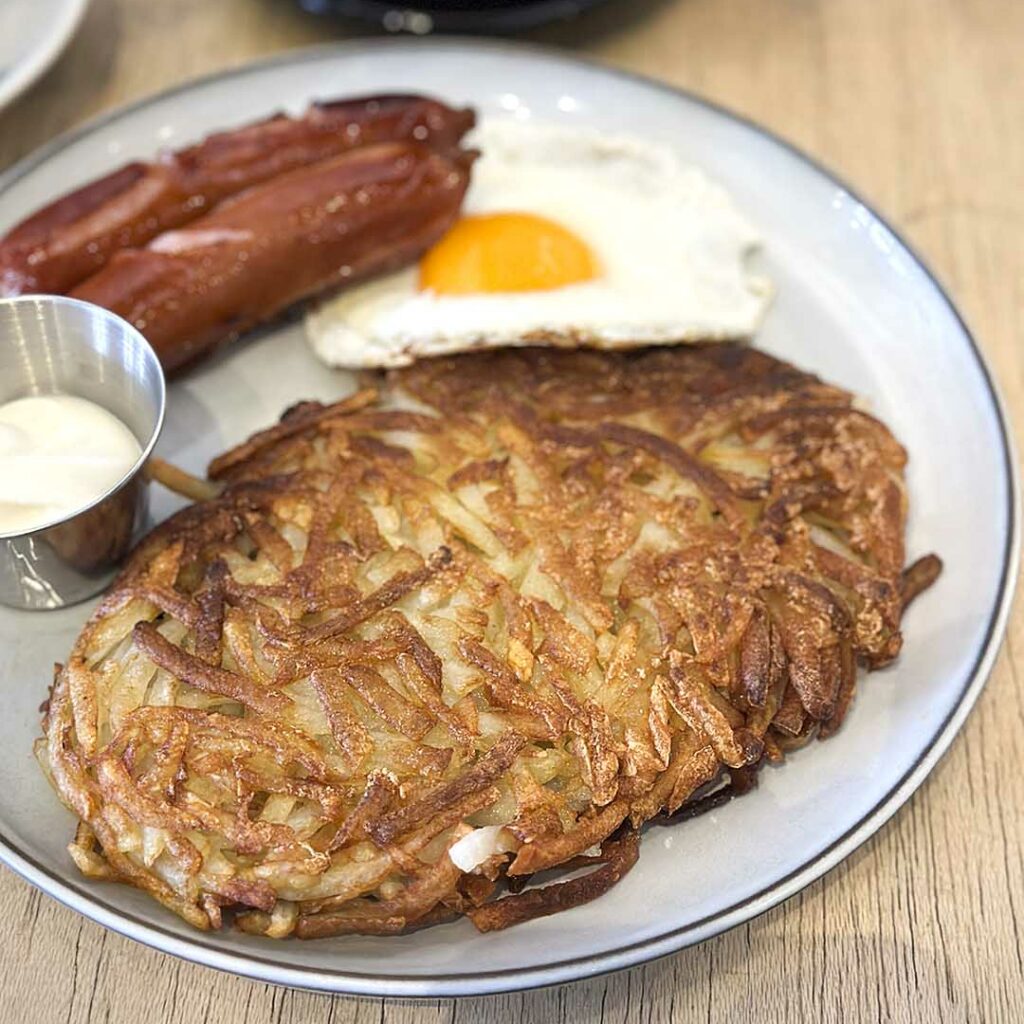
(567, 237)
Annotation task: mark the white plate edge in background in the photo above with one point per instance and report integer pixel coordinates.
(26, 72)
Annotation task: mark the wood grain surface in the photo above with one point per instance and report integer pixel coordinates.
(919, 104)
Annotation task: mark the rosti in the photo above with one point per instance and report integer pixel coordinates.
(553, 593)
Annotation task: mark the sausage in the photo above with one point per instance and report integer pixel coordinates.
(367, 211)
(74, 237)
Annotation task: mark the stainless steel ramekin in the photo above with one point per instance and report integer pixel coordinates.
(52, 345)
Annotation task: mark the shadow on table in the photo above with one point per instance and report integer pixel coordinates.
(586, 28)
(594, 25)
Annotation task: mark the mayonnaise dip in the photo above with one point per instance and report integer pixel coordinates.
(58, 453)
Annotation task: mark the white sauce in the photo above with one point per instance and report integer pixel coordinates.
(58, 453)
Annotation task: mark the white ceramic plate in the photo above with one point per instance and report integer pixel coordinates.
(854, 305)
(33, 34)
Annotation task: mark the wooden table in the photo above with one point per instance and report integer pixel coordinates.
(918, 103)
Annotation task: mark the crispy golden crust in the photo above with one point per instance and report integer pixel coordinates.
(560, 592)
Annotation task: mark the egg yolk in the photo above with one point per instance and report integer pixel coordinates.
(506, 252)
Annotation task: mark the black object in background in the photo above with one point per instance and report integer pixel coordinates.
(423, 16)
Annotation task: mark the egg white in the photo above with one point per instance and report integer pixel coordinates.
(673, 249)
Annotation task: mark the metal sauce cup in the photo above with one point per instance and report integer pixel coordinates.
(51, 345)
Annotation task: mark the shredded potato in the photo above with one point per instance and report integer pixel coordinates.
(551, 593)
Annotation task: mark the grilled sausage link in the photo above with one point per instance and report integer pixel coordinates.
(74, 237)
(367, 211)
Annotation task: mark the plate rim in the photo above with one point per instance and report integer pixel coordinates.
(25, 73)
(256, 967)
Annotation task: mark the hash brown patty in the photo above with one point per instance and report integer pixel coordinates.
(560, 592)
